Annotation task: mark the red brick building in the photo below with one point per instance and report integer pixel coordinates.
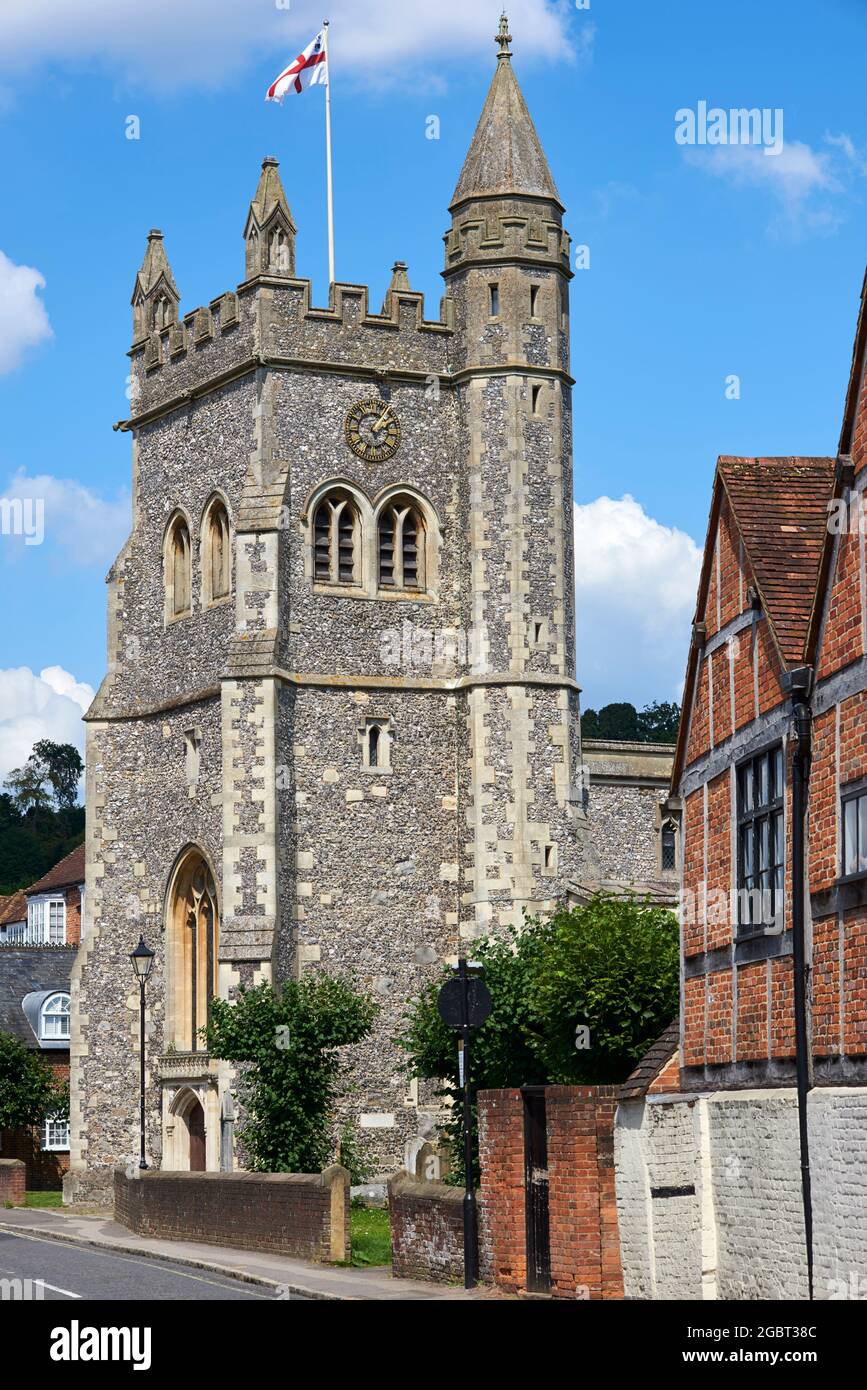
(771, 771)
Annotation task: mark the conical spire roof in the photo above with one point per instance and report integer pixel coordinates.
(506, 155)
(269, 194)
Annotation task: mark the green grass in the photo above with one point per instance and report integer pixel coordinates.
(43, 1199)
(371, 1236)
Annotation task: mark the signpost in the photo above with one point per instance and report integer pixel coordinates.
(464, 1003)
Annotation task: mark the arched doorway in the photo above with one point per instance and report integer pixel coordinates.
(193, 935)
(195, 1118)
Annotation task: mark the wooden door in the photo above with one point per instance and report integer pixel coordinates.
(196, 1127)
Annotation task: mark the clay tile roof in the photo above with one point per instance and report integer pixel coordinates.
(780, 507)
(636, 1086)
(13, 909)
(68, 871)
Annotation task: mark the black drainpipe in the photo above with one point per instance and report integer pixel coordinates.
(800, 685)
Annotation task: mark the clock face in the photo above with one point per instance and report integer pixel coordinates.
(372, 430)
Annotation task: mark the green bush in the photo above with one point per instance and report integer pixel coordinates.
(289, 1039)
(610, 966)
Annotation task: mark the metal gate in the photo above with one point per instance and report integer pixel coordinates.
(536, 1190)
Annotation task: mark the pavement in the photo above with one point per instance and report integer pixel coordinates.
(275, 1276)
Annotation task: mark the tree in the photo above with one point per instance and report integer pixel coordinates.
(27, 786)
(616, 721)
(27, 1087)
(51, 772)
(289, 1040)
(63, 766)
(611, 967)
(659, 722)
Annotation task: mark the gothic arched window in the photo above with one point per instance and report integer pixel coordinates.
(217, 552)
(178, 569)
(193, 929)
(336, 540)
(401, 546)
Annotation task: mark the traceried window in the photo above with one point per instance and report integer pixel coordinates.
(854, 804)
(55, 1018)
(217, 558)
(178, 569)
(336, 541)
(401, 547)
(761, 852)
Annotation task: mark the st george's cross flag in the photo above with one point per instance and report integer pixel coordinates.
(309, 69)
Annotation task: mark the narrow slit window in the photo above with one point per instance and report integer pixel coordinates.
(549, 856)
(669, 847)
(495, 300)
(534, 300)
(376, 745)
(535, 399)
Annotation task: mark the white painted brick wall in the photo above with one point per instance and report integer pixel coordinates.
(744, 1225)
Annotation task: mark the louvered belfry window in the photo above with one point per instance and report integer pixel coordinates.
(335, 540)
(401, 547)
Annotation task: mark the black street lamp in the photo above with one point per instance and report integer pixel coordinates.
(142, 961)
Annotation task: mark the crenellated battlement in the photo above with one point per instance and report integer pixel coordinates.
(506, 234)
(274, 317)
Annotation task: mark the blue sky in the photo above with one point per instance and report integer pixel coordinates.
(704, 262)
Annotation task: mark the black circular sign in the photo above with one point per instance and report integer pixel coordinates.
(450, 1002)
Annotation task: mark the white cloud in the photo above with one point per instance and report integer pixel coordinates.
(201, 43)
(808, 185)
(635, 590)
(89, 529)
(23, 319)
(32, 707)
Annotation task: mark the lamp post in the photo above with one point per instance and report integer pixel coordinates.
(142, 961)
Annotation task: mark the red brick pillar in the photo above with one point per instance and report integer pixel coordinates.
(13, 1182)
(585, 1248)
(503, 1254)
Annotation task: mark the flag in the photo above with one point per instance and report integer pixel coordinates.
(308, 69)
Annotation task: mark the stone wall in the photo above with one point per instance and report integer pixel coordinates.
(709, 1195)
(304, 1215)
(427, 1230)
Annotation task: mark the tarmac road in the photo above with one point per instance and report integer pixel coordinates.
(70, 1273)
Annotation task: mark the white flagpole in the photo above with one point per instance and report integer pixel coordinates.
(328, 157)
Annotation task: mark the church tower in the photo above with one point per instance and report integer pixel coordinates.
(507, 273)
(339, 729)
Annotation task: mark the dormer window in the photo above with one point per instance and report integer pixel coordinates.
(46, 921)
(54, 1018)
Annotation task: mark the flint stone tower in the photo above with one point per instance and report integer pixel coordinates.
(340, 723)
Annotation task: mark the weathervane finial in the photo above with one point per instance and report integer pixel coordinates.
(504, 38)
